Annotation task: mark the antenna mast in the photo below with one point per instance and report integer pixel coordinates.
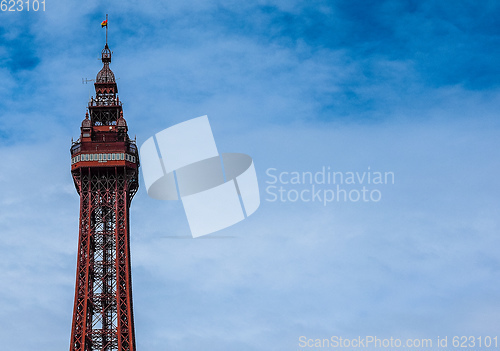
(106, 29)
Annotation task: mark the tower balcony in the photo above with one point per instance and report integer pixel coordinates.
(104, 155)
(103, 159)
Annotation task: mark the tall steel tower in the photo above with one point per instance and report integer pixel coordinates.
(105, 167)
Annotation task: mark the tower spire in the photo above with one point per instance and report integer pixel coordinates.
(105, 84)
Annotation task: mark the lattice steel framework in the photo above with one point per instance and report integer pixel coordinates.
(104, 167)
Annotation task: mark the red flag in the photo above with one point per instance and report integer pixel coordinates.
(104, 23)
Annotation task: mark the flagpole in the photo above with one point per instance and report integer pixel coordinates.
(106, 29)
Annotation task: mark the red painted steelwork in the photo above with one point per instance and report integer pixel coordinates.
(102, 316)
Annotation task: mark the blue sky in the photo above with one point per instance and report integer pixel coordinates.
(410, 87)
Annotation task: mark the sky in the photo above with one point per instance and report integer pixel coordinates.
(411, 88)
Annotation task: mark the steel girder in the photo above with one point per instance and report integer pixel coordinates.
(103, 317)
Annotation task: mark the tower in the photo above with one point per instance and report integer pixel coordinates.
(104, 166)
